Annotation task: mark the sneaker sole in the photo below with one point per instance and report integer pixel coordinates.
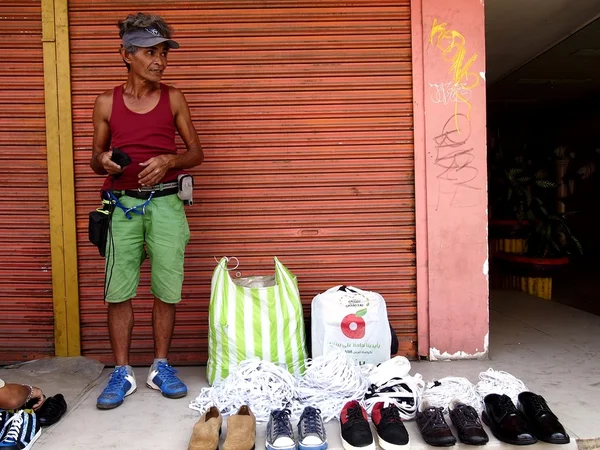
(271, 447)
(35, 438)
(114, 405)
(156, 388)
(347, 446)
(385, 445)
(322, 446)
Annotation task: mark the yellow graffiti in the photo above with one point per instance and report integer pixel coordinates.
(454, 51)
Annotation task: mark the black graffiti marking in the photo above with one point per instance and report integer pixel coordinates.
(454, 156)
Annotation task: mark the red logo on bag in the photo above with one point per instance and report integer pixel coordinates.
(353, 325)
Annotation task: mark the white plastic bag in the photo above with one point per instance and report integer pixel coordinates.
(353, 320)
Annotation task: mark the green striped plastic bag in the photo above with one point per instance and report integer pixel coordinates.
(245, 321)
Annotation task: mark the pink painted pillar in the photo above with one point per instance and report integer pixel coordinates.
(451, 177)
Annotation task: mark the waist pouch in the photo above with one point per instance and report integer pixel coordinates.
(98, 226)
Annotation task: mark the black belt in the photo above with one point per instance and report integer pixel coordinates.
(144, 193)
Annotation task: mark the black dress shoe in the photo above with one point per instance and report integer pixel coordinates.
(542, 420)
(466, 421)
(434, 429)
(52, 410)
(506, 423)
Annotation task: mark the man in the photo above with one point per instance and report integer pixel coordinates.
(13, 396)
(140, 118)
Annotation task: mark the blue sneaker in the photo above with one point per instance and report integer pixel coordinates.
(311, 430)
(163, 378)
(120, 385)
(280, 434)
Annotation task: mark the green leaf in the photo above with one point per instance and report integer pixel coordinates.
(361, 312)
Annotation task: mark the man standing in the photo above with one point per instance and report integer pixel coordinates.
(139, 119)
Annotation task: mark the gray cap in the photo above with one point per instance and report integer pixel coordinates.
(147, 37)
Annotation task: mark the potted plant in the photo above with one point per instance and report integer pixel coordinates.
(548, 248)
(517, 203)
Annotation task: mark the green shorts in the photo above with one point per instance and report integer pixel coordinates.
(165, 231)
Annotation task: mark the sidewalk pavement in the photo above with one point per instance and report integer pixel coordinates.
(552, 348)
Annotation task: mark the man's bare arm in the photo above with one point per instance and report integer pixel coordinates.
(101, 154)
(13, 396)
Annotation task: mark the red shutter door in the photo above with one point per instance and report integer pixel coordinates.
(26, 307)
(304, 110)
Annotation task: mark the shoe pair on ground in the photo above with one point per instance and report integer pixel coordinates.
(531, 420)
(18, 429)
(311, 431)
(436, 431)
(356, 432)
(121, 383)
(241, 431)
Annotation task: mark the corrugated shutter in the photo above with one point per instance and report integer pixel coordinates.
(26, 307)
(304, 110)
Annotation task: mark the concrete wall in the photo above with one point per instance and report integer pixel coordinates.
(451, 178)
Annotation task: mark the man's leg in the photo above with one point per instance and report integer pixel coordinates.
(163, 322)
(120, 327)
(125, 253)
(167, 234)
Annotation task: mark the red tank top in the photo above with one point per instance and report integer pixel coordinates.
(141, 136)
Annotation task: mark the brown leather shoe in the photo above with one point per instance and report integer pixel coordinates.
(241, 430)
(207, 431)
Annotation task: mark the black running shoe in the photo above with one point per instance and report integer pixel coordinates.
(434, 428)
(391, 433)
(466, 421)
(356, 432)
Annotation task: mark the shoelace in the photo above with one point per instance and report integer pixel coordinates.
(539, 405)
(404, 392)
(16, 421)
(507, 406)
(281, 423)
(492, 382)
(436, 418)
(391, 414)
(311, 421)
(115, 382)
(167, 373)
(467, 415)
(355, 416)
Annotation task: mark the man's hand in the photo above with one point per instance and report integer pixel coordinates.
(37, 393)
(155, 170)
(110, 166)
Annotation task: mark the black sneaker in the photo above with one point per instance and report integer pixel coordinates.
(434, 428)
(356, 432)
(280, 434)
(22, 430)
(391, 433)
(311, 430)
(466, 421)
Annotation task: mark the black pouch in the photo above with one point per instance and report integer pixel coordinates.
(99, 224)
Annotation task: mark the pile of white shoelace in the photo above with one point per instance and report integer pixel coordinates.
(328, 383)
(440, 393)
(498, 382)
(390, 383)
(333, 379)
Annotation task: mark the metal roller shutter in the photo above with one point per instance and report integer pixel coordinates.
(304, 110)
(26, 306)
